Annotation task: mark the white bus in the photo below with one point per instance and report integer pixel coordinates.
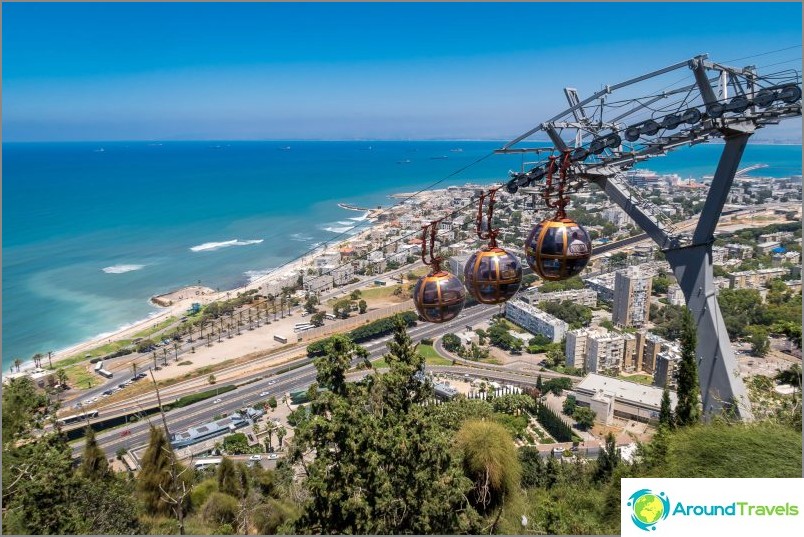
(303, 326)
(67, 420)
(280, 339)
(200, 464)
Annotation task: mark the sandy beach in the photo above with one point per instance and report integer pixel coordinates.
(178, 302)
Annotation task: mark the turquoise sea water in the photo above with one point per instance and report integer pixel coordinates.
(92, 230)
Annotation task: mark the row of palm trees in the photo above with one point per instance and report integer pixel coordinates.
(37, 360)
(207, 329)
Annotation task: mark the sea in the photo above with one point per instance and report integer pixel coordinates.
(92, 230)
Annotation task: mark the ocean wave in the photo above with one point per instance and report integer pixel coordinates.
(120, 269)
(301, 237)
(345, 223)
(254, 275)
(209, 246)
(360, 218)
(333, 229)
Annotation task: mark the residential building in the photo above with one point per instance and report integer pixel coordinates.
(651, 345)
(755, 278)
(666, 372)
(575, 347)
(584, 297)
(603, 285)
(629, 352)
(604, 352)
(535, 320)
(632, 289)
(675, 296)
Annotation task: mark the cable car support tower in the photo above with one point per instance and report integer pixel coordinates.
(621, 125)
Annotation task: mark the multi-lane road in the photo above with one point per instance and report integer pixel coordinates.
(281, 384)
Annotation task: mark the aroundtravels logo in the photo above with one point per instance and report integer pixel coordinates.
(648, 508)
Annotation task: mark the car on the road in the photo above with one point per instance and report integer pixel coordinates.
(272, 383)
(216, 401)
(255, 458)
(273, 456)
(265, 394)
(87, 401)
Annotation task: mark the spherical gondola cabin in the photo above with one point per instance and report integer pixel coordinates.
(492, 275)
(439, 297)
(558, 249)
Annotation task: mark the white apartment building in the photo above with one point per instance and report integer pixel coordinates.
(535, 320)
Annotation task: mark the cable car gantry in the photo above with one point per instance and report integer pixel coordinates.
(602, 136)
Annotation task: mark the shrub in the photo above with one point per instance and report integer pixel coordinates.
(220, 509)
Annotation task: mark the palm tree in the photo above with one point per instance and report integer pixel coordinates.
(49, 356)
(17, 364)
(250, 325)
(154, 353)
(61, 376)
(134, 368)
(280, 434)
(240, 321)
(272, 300)
(282, 301)
(37, 358)
(176, 349)
(220, 328)
(164, 355)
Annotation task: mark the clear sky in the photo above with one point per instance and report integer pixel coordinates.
(162, 71)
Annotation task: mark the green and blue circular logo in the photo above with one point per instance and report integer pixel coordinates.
(648, 508)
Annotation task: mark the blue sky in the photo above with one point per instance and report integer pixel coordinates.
(161, 71)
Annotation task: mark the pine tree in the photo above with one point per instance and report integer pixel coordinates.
(228, 481)
(539, 384)
(687, 408)
(607, 460)
(94, 464)
(155, 472)
(666, 412)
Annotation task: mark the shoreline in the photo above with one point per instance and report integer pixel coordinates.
(183, 298)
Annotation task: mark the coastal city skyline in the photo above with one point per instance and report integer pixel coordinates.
(339, 71)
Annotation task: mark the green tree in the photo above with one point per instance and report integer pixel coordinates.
(532, 466)
(490, 461)
(382, 465)
(665, 411)
(155, 473)
(688, 391)
(362, 306)
(585, 417)
(317, 319)
(607, 460)
(569, 405)
(760, 344)
(228, 482)
(451, 342)
(94, 465)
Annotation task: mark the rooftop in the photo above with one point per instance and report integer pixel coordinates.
(624, 390)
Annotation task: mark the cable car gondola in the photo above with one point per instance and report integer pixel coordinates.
(492, 275)
(558, 248)
(439, 296)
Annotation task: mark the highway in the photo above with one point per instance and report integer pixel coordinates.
(281, 384)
